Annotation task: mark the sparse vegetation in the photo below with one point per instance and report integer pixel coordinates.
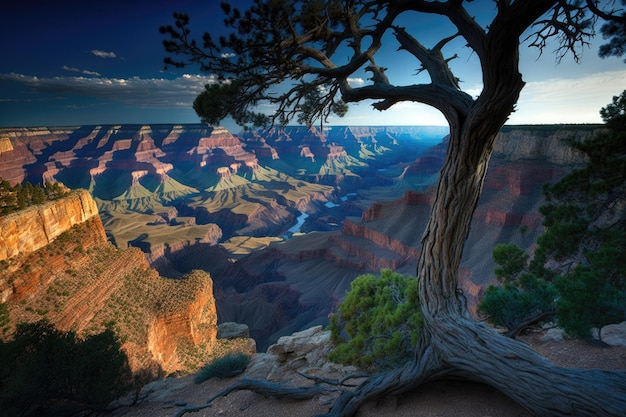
(18, 196)
(46, 372)
(578, 271)
(5, 316)
(382, 321)
(224, 367)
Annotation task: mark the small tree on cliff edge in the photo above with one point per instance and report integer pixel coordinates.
(578, 269)
(318, 46)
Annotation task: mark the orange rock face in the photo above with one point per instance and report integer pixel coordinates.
(194, 325)
(35, 227)
(80, 282)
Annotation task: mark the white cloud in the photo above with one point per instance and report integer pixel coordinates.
(405, 113)
(86, 72)
(135, 91)
(356, 80)
(103, 54)
(576, 100)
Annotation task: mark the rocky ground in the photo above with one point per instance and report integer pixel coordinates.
(439, 399)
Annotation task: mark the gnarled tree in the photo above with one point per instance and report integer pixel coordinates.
(276, 41)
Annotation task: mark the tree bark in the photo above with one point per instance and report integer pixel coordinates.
(453, 343)
(474, 351)
(467, 349)
(464, 347)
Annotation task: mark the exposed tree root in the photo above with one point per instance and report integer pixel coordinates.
(264, 388)
(474, 351)
(529, 323)
(426, 367)
(469, 350)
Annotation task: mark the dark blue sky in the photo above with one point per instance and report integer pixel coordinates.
(100, 62)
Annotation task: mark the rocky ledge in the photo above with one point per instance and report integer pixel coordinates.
(35, 227)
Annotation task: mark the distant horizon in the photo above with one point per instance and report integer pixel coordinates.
(7, 127)
(106, 78)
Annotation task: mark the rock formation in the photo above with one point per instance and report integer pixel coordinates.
(252, 184)
(320, 266)
(59, 266)
(176, 192)
(35, 227)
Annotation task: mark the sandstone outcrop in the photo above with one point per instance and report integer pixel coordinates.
(78, 281)
(305, 351)
(33, 228)
(230, 330)
(547, 143)
(310, 347)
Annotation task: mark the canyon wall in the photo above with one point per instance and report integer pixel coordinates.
(172, 190)
(59, 266)
(36, 226)
(320, 266)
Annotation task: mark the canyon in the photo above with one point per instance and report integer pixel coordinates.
(59, 266)
(191, 201)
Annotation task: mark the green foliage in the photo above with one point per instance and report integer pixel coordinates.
(381, 319)
(614, 114)
(594, 295)
(512, 261)
(46, 372)
(224, 367)
(217, 101)
(17, 197)
(580, 260)
(521, 296)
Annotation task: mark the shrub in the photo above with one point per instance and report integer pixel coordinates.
(521, 295)
(594, 295)
(46, 372)
(224, 367)
(581, 257)
(378, 324)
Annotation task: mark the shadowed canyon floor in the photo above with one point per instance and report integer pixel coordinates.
(194, 197)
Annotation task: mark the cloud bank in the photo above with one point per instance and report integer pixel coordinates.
(134, 91)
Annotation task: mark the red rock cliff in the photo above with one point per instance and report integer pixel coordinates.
(33, 228)
(78, 281)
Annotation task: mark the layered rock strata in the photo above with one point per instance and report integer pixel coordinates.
(35, 227)
(62, 268)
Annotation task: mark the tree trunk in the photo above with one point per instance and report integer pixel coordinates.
(453, 343)
(476, 352)
(463, 348)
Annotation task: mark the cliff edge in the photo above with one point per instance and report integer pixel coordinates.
(57, 265)
(35, 227)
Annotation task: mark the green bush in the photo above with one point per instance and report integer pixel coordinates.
(47, 372)
(17, 197)
(594, 295)
(378, 324)
(578, 269)
(224, 367)
(521, 295)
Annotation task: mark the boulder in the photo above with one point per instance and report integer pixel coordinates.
(614, 334)
(309, 347)
(232, 330)
(555, 334)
